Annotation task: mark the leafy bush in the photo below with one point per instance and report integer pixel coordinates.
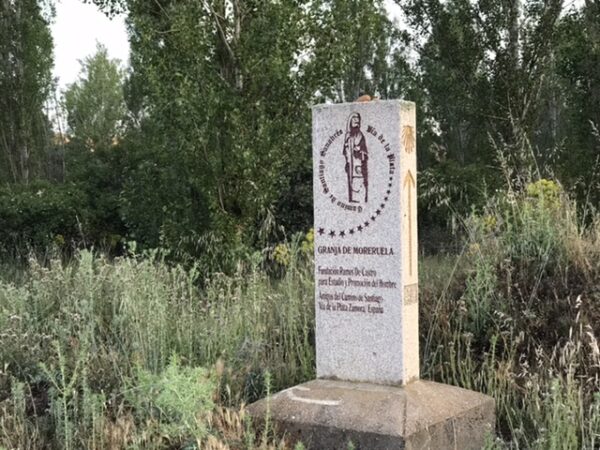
(105, 331)
(518, 318)
(514, 315)
(448, 192)
(40, 215)
(178, 400)
(99, 174)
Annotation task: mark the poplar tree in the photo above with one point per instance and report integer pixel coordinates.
(25, 83)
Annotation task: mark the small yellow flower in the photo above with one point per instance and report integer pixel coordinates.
(546, 192)
(308, 244)
(281, 254)
(473, 248)
(489, 223)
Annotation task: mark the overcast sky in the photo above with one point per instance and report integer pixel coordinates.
(76, 29)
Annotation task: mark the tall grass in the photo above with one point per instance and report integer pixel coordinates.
(133, 353)
(519, 317)
(80, 342)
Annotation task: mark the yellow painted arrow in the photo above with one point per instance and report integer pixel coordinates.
(409, 184)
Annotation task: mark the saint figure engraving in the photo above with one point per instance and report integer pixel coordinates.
(357, 157)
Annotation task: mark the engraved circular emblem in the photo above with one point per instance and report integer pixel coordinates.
(352, 163)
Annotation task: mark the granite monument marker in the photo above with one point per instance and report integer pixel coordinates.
(366, 242)
(366, 298)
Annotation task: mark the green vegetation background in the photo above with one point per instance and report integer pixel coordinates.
(155, 254)
(132, 352)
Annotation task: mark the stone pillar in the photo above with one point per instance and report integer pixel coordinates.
(366, 242)
(366, 297)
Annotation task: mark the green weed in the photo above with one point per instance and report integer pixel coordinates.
(514, 315)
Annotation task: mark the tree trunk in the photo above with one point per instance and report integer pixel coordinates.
(7, 129)
(21, 135)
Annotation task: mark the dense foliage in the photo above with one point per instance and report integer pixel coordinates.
(206, 138)
(159, 244)
(134, 355)
(25, 83)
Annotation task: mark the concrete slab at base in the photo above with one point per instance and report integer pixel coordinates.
(422, 415)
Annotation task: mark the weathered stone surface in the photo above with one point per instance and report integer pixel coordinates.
(422, 415)
(366, 299)
(366, 293)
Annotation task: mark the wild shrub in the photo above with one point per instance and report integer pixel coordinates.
(40, 215)
(518, 318)
(514, 315)
(171, 405)
(91, 342)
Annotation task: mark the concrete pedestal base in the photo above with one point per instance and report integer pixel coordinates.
(325, 414)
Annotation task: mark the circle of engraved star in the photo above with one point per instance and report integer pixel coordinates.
(332, 233)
